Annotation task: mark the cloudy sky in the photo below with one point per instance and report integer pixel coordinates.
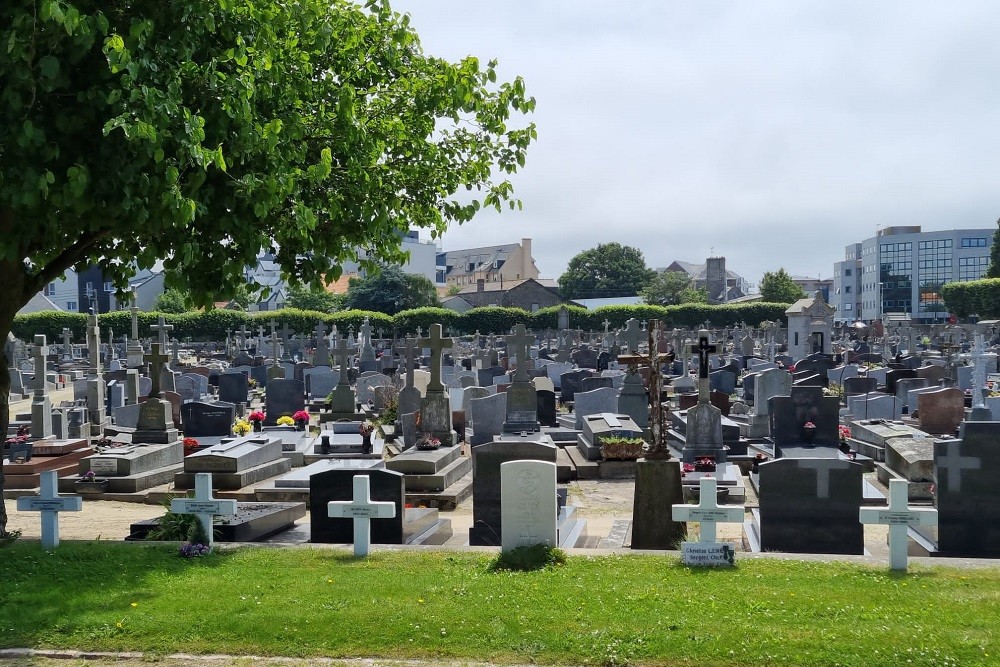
(772, 133)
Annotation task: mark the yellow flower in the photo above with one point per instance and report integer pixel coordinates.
(135, 604)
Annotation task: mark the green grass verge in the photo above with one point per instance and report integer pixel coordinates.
(593, 610)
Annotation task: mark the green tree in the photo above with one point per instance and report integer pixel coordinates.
(389, 291)
(171, 301)
(201, 132)
(610, 269)
(778, 287)
(671, 288)
(308, 297)
(994, 269)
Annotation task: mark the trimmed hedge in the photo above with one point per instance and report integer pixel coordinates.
(975, 297)
(215, 324)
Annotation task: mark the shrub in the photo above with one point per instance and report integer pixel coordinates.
(493, 320)
(528, 558)
(407, 321)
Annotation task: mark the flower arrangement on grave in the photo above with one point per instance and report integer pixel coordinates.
(241, 427)
(190, 446)
(757, 460)
(257, 416)
(89, 482)
(835, 389)
(301, 417)
(285, 420)
(618, 448)
(808, 431)
(844, 432)
(365, 428)
(195, 550)
(252, 383)
(426, 441)
(704, 464)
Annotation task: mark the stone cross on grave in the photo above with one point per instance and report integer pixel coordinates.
(260, 339)
(657, 420)
(518, 344)
(286, 336)
(175, 352)
(156, 358)
(320, 331)
(632, 335)
(899, 515)
(436, 344)
(49, 503)
(362, 509)
(409, 350)
(134, 310)
(38, 352)
(162, 329)
(203, 505)
(94, 344)
(244, 335)
(708, 512)
(703, 349)
(274, 344)
(343, 353)
(823, 468)
(67, 342)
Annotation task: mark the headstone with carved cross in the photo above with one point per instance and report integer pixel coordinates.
(343, 400)
(49, 503)
(435, 407)
(409, 395)
(522, 400)
(362, 509)
(322, 355)
(156, 422)
(95, 381)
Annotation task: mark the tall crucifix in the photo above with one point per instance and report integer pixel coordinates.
(343, 353)
(703, 348)
(409, 350)
(519, 343)
(162, 329)
(436, 344)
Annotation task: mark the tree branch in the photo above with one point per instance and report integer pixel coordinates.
(63, 261)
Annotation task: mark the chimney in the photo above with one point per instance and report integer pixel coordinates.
(527, 265)
(481, 285)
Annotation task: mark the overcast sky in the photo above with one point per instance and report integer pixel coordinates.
(771, 133)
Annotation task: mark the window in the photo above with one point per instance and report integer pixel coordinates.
(847, 290)
(972, 268)
(974, 243)
(848, 306)
(108, 287)
(71, 306)
(847, 272)
(50, 289)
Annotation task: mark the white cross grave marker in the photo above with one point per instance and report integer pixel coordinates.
(898, 516)
(708, 512)
(203, 505)
(362, 509)
(49, 503)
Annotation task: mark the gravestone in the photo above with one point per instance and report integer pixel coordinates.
(528, 504)
(487, 529)
(789, 415)
(968, 497)
(207, 419)
(594, 402)
(811, 506)
(283, 398)
(522, 403)
(233, 387)
(941, 410)
(769, 383)
(570, 383)
(546, 402)
(487, 415)
(856, 386)
(361, 509)
(338, 486)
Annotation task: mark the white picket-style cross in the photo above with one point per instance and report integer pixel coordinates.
(362, 509)
(898, 516)
(49, 503)
(708, 511)
(203, 505)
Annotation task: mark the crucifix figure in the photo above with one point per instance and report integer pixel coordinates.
(518, 343)
(656, 414)
(156, 358)
(703, 349)
(436, 344)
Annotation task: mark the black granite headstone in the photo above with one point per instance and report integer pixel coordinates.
(546, 407)
(283, 398)
(859, 385)
(968, 496)
(570, 383)
(811, 506)
(790, 414)
(207, 419)
(233, 387)
(338, 485)
(595, 382)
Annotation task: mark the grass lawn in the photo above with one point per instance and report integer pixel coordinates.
(613, 610)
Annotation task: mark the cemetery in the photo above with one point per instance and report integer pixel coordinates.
(284, 425)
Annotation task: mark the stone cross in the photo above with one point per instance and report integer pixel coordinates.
(162, 329)
(244, 335)
(39, 351)
(656, 415)
(518, 344)
(343, 352)
(175, 352)
(898, 516)
(49, 503)
(362, 509)
(156, 358)
(320, 332)
(409, 349)
(67, 342)
(708, 512)
(134, 310)
(823, 469)
(203, 505)
(436, 344)
(94, 344)
(286, 336)
(703, 349)
(632, 335)
(274, 344)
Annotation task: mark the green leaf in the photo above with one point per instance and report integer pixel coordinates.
(48, 66)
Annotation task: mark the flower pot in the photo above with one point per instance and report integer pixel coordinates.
(90, 487)
(808, 434)
(300, 426)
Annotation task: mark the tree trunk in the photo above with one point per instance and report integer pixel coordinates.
(4, 420)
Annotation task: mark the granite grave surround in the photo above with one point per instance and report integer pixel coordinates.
(235, 464)
(132, 468)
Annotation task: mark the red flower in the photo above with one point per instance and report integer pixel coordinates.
(301, 416)
(256, 416)
(190, 446)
